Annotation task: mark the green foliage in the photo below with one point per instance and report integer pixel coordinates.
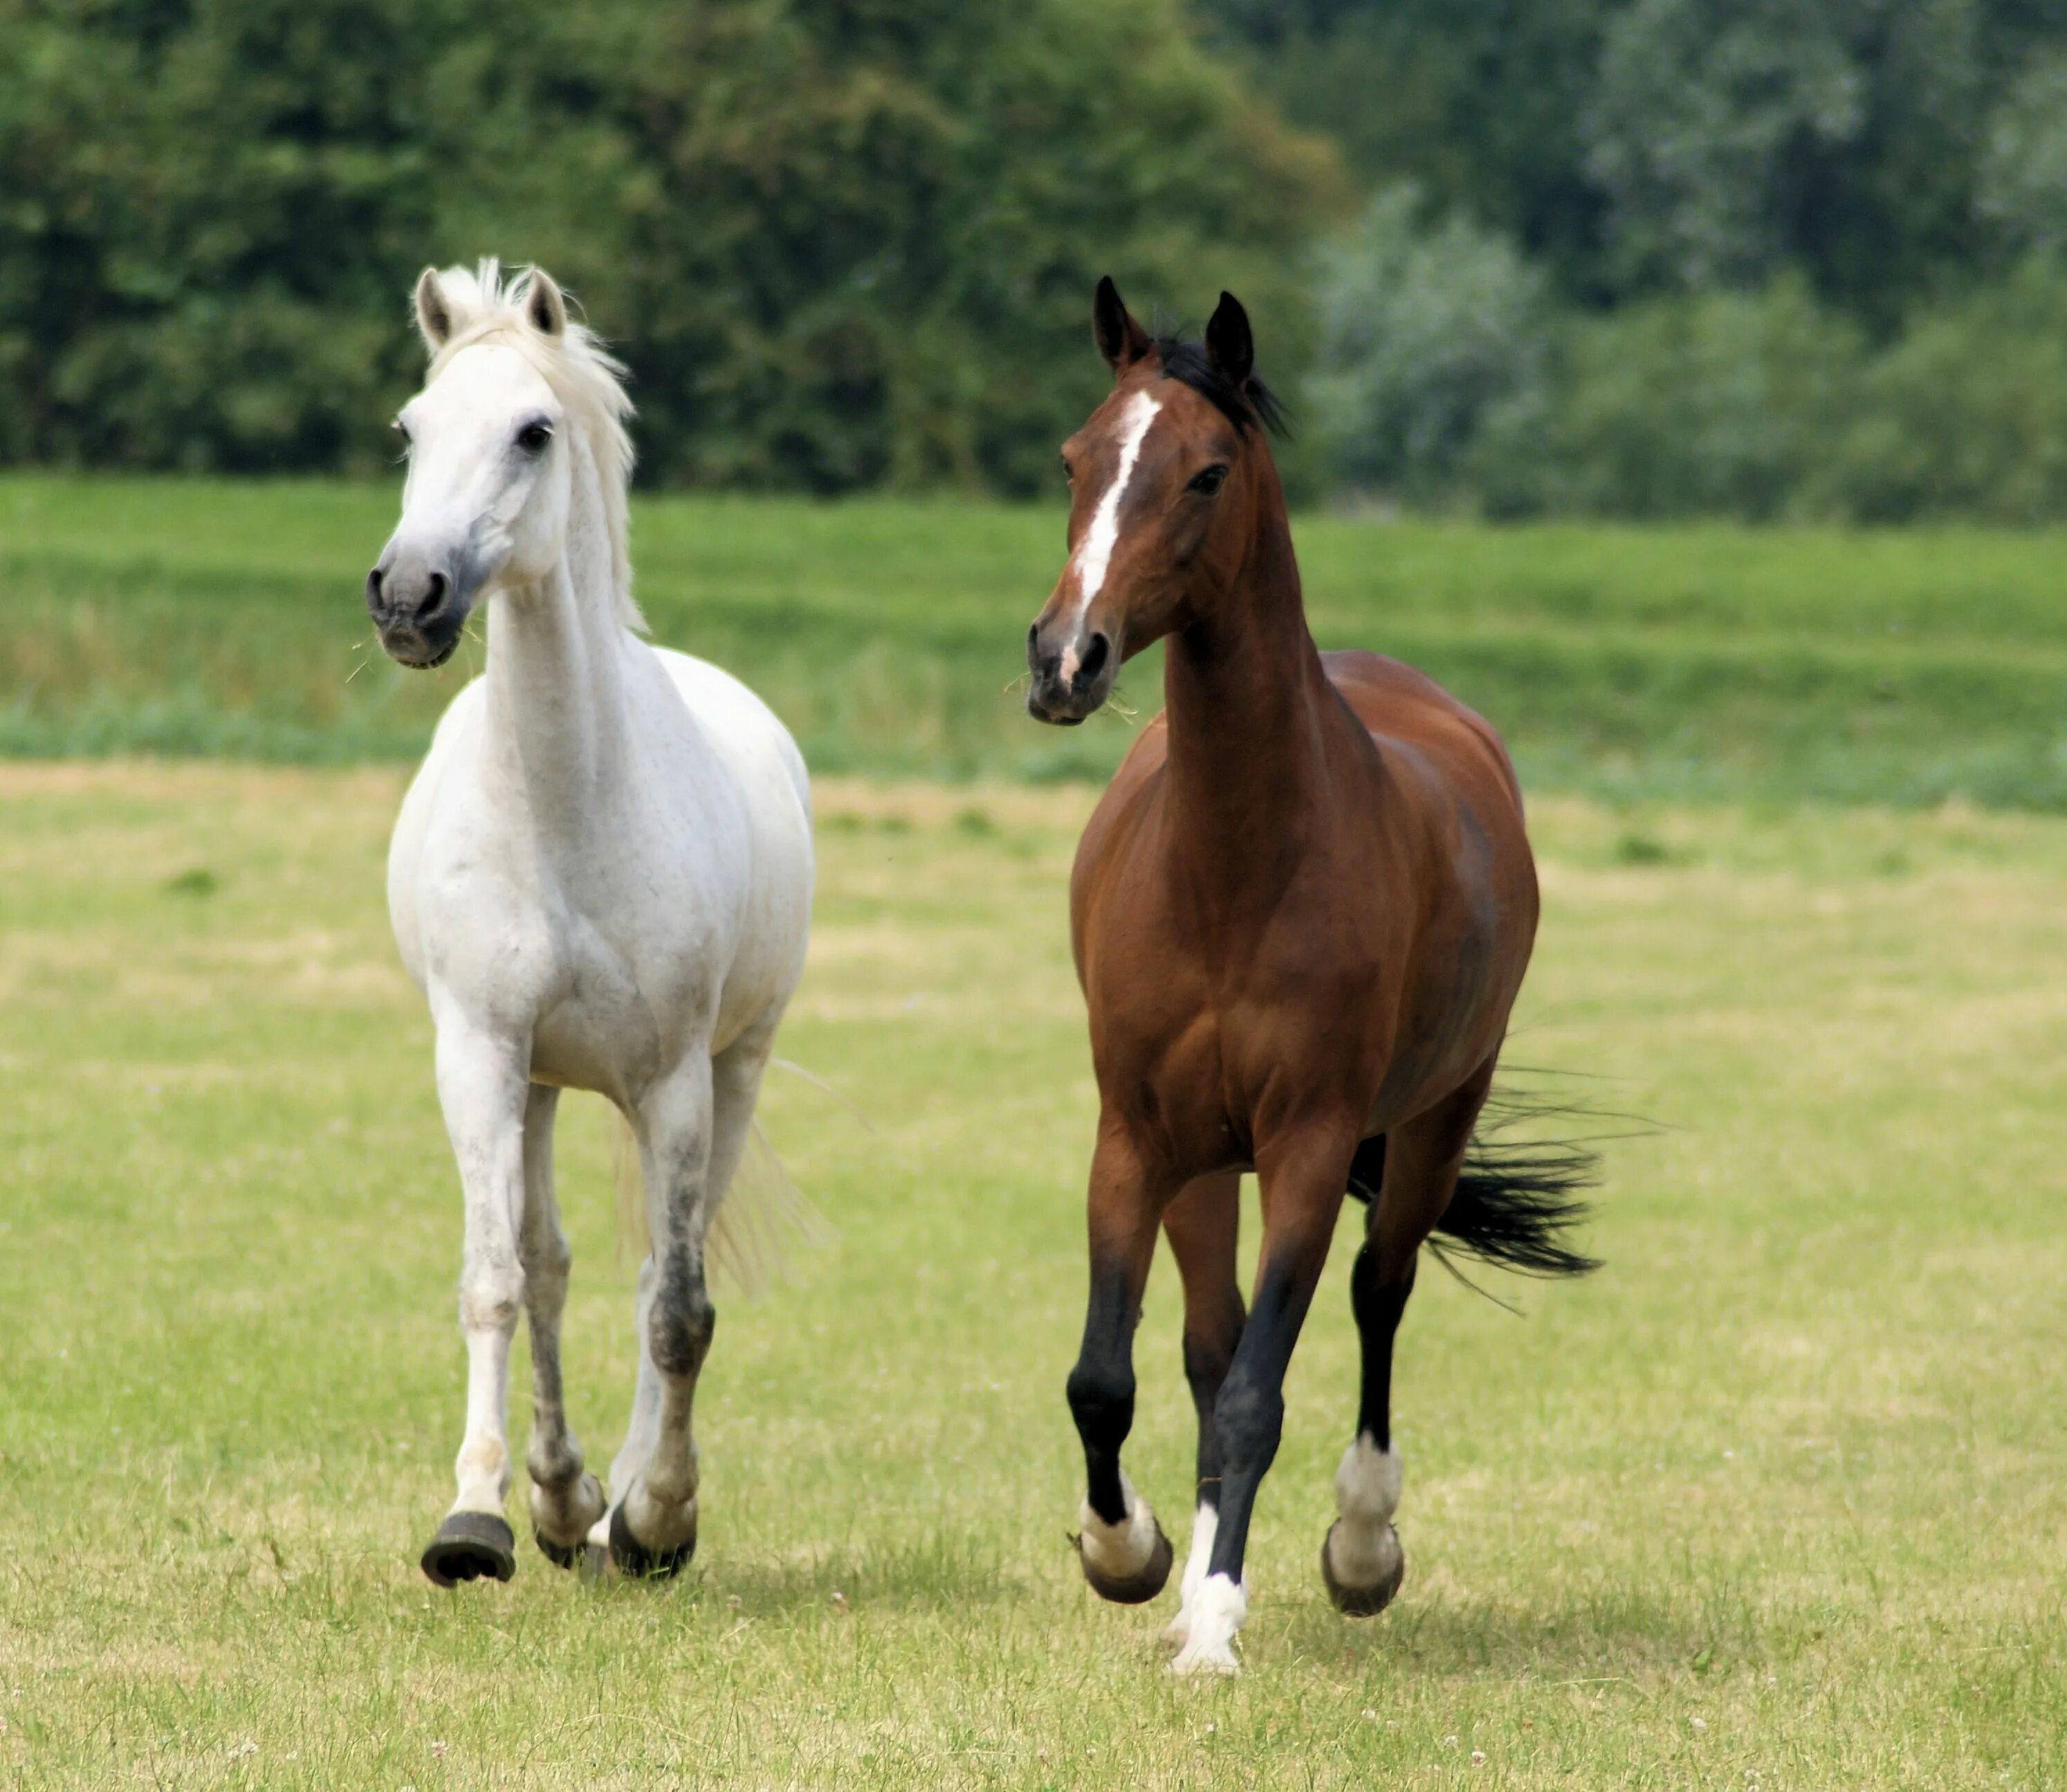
(1422, 334)
(1717, 405)
(1736, 140)
(841, 244)
(1966, 416)
(2024, 175)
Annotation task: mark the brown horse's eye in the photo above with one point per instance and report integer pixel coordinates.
(1209, 482)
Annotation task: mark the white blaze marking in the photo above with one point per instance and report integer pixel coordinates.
(1094, 552)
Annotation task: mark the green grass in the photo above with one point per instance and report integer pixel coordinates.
(1779, 1499)
(180, 617)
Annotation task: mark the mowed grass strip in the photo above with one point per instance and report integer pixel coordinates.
(1776, 1499)
(203, 617)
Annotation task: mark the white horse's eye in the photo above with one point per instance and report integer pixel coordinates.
(400, 428)
(533, 438)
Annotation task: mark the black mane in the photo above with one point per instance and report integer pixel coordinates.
(1250, 404)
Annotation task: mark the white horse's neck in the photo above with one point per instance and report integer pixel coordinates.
(557, 654)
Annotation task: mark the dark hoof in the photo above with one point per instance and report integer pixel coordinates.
(471, 1546)
(1362, 1602)
(631, 1557)
(561, 1555)
(1134, 1589)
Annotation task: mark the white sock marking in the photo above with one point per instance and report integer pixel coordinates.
(1216, 1615)
(1205, 1527)
(1118, 1551)
(1094, 552)
(1363, 1549)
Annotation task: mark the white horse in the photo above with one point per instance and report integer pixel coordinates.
(601, 878)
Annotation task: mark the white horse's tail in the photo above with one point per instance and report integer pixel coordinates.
(763, 1219)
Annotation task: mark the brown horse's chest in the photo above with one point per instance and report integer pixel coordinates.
(1209, 1030)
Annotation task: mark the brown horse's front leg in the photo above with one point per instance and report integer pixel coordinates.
(1203, 1225)
(1125, 1555)
(1304, 1181)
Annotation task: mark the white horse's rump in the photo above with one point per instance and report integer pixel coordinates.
(601, 880)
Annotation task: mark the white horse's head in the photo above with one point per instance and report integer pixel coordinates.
(518, 405)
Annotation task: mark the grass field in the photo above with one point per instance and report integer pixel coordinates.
(1778, 1500)
(182, 617)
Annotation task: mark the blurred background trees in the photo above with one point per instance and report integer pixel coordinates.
(1649, 257)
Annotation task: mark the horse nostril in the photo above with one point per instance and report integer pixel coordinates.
(373, 589)
(434, 596)
(1093, 659)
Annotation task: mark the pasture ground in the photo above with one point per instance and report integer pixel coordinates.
(1778, 1500)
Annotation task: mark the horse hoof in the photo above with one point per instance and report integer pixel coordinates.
(594, 1563)
(1363, 1601)
(1131, 1589)
(471, 1546)
(629, 1556)
(561, 1555)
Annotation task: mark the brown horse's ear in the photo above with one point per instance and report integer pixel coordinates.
(1229, 346)
(1120, 339)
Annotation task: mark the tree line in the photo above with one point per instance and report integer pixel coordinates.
(1751, 257)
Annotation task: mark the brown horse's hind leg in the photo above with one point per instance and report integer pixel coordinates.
(1125, 1555)
(1202, 1225)
(1361, 1560)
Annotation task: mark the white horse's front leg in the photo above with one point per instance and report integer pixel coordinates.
(565, 1501)
(482, 1086)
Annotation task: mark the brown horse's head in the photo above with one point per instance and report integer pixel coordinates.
(1168, 482)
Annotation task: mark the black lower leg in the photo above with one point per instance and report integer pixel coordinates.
(1101, 1391)
(1377, 1310)
(1208, 1357)
(1248, 1417)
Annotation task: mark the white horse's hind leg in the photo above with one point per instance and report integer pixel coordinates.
(483, 1090)
(653, 1526)
(565, 1502)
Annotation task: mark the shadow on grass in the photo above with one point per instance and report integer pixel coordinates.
(943, 1574)
(1610, 1634)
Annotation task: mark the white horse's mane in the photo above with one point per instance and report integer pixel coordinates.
(488, 305)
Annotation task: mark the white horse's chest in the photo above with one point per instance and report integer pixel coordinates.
(609, 960)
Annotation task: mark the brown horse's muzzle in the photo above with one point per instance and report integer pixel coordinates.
(1072, 668)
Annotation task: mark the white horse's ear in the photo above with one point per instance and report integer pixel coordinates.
(543, 305)
(434, 315)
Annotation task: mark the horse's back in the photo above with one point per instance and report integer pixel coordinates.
(1400, 705)
(738, 723)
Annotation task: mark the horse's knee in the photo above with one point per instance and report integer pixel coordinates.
(491, 1293)
(547, 1259)
(1102, 1401)
(679, 1328)
(1248, 1418)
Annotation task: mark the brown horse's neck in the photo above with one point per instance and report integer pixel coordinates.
(1247, 701)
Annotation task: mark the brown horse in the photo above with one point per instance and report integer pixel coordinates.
(1301, 915)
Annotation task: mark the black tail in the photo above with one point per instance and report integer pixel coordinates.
(1516, 1201)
